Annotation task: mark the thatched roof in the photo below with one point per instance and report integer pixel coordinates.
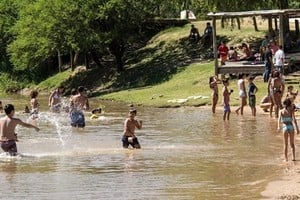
(292, 13)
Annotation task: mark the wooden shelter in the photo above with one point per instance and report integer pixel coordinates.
(271, 14)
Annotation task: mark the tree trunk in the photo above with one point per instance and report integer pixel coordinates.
(270, 24)
(71, 60)
(222, 22)
(238, 21)
(86, 60)
(59, 60)
(116, 47)
(75, 60)
(255, 23)
(283, 4)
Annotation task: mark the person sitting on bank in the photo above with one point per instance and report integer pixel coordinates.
(245, 54)
(194, 34)
(207, 35)
(232, 54)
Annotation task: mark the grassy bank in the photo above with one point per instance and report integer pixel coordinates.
(189, 87)
(163, 73)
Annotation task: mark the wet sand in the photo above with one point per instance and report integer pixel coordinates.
(287, 187)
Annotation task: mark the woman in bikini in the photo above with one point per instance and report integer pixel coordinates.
(55, 99)
(289, 124)
(213, 84)
(276, 91)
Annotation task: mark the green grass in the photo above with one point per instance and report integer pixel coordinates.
(54, 81)
(161, 72)
(191, 83)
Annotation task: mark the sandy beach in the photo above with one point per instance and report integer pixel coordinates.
(287, 187)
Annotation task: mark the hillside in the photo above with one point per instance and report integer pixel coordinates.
(168, 71)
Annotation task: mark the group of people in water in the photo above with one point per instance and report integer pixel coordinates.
(78, 103)
(283, 103)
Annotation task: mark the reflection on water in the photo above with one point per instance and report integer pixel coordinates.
(187, 153)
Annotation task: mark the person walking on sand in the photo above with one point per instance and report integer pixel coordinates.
(242, 94)
(213, 84)
(7, 130)
(252, 89)
(130, 125)
(226, 99)
(289, 125)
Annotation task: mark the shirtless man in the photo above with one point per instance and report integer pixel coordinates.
(7, 130)
(130, 124)
(79, 102)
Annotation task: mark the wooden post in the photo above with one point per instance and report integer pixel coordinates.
(215, 48)
(281, 30)
(276, 23)
(270, 27)
(297, 27)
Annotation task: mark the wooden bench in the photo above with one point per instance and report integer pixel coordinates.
(246, 67)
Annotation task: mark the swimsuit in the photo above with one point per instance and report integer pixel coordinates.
(77, 119)
(242, 93)
(226, 108)
(134, 143)
(252, 100)
(9, 146)
(287, 124)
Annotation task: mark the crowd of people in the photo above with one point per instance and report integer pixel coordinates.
(78, 103)
(277, 101)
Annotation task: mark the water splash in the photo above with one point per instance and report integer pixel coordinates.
(58, 120)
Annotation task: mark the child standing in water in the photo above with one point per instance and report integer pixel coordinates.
(289, 124)
(7, 130)
(130, 125)
(226, 99)
(252, 89)
(213, 84)
(242, 94)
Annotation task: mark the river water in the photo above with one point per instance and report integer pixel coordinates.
(187, 153)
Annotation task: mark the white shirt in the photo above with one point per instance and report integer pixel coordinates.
(279, 57)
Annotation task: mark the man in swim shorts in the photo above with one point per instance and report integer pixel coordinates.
(7, 130)
(79, 102)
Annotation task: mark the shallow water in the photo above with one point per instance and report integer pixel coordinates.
(187, 153)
